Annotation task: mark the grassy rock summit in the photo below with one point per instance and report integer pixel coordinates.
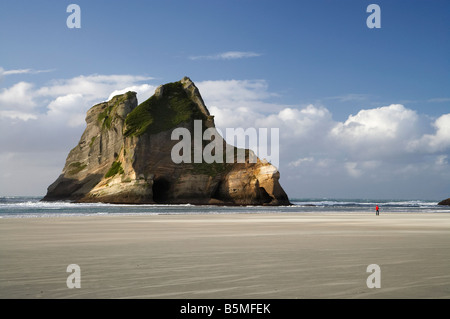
(124, 156)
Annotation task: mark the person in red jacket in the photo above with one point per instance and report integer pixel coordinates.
(377, 210)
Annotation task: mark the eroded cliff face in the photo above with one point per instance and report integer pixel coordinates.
(124, 156)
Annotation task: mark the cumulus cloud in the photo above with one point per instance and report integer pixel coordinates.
(144, 91)
(384, 130)
(389, 144)
(229, 55)
(66, 100)
(67, 109)
(439, 141)
(238, 103)
(391, 129)
(19, 96)
(91, 86)
(387, 122)
(306, 122)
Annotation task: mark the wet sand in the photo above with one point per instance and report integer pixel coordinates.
(227, 256)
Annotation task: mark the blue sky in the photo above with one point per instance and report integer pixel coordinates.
(361, 111)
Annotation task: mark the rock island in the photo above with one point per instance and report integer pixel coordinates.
(124, 157)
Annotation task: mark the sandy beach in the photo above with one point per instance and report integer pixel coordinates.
(227, 256)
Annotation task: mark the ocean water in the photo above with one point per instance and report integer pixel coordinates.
(22, 207)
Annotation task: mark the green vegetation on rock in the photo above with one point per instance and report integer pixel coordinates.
(92, 141)
(158, 114)
(76, 167)
(106, 117)
(210, 169)
(116, 168)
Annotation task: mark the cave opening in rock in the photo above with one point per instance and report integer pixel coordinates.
(216, 192)
(266, 198)
(160, 188)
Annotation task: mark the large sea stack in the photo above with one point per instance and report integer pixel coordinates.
(445, 202)
(124, 156)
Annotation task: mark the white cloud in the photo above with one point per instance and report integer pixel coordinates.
(144, 91)
(234, 91)
(17, 115)
(239, 117)
(22, 71)
(229, 55)
(69, 109)
(371, 147)
(237, 103)
(378, 132)
(381, 123)
(66, 100)
(244, 103)
(25, 71)
(91, 86)
(4, 72)
(307, 122)
(19, 96)
(301, 161)
(439, 141)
